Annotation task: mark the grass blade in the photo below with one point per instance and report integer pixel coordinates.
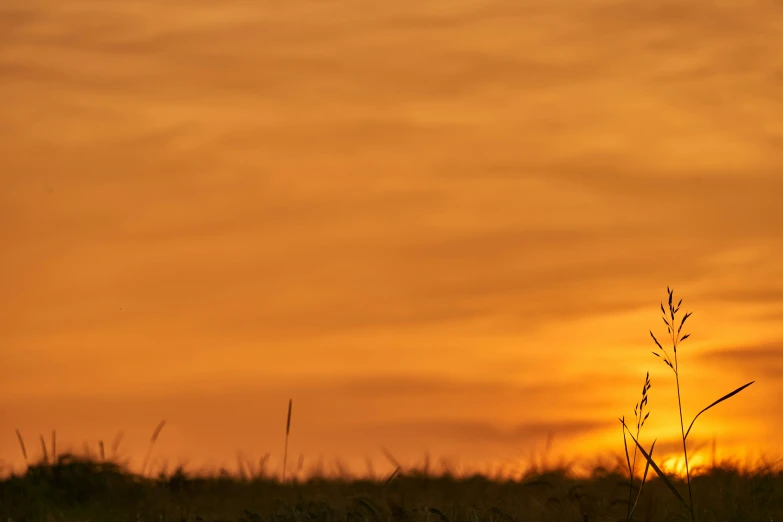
(287, 431)
(21, 444)
(627, 457)
(152, 444)
(647, 466)
(392, 476)
(644, 478)
(390, 458)
(660, 473)
(735, 392)
(45, 454)
(116, 444)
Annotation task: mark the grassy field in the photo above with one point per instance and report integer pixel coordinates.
(80, 489)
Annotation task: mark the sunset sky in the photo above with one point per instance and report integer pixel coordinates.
(438, 226)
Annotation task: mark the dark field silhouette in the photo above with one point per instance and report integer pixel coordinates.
(86, 489)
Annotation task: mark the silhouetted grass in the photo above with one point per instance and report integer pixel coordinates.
(78, 488)
(676, 336)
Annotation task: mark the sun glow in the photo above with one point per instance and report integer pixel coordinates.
(675, 465)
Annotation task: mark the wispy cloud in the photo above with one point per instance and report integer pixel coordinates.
(762, 360)
(474, 434)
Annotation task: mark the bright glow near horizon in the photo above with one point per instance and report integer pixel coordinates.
(437, 226)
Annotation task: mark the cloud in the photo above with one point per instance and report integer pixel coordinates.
(753, 293)
(763, 361)
(475, 433)
(551, 389)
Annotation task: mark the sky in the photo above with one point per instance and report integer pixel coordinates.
(440, 227)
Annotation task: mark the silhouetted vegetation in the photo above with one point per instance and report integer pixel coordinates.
(81, 489)
(676, 336)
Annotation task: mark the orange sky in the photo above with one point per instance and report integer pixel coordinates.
(438, 226)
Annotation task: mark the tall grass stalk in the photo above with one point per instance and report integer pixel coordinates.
(287, 430)
(116, 444)
(45, 453)
(21, 444)
(676, 338)
(154, 438)
(638, 412)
